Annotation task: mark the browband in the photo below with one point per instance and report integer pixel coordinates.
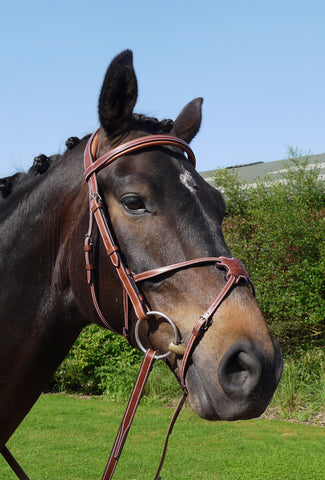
(92, 165)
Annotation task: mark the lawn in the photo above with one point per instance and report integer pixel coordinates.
(69, 438)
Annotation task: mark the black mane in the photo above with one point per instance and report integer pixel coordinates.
(19, 181)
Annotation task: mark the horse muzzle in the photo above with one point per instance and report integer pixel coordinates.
(242, 386)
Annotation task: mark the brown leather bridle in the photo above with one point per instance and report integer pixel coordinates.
(235, 272)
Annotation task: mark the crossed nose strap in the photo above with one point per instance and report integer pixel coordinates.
(235, 271)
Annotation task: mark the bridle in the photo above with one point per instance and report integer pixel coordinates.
(234, 272)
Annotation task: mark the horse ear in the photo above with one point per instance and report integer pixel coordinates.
(118, 94)
(188, 122)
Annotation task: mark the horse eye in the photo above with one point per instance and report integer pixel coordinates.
(133, 203)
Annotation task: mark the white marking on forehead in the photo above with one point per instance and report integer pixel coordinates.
(188, 181)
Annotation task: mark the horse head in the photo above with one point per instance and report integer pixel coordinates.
(162, 213)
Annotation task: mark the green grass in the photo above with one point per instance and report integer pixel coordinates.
(69, 438)
(301, 392)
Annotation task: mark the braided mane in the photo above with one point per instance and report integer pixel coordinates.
(153, 125)
(41, 163)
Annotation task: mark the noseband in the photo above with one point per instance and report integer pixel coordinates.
(234, 272)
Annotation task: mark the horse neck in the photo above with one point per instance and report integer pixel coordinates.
(39, 319)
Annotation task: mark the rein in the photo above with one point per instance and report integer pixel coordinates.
(234, 272)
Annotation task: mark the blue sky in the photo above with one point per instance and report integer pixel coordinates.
(260, 67)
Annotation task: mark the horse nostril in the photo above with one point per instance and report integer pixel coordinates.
(239, 370)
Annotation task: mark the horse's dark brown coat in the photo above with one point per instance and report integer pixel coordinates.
(162, 212)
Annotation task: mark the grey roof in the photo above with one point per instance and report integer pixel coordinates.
(249, 172)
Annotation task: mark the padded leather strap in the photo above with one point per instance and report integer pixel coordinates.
(139, 277)
(92, 165)
(131, 408)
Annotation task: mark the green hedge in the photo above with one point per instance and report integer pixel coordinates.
(102, 362)
(95, 364)
(278, 231)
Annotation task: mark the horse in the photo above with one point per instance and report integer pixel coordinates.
(162, 218)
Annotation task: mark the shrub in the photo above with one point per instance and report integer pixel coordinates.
(99, 362)
(278, 231)
(102, 362)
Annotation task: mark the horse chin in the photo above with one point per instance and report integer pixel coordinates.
(202, 405)
(217, 405)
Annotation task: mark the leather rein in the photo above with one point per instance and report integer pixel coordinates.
(234, 272)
